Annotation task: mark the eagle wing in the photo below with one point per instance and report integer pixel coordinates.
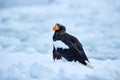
(76, 45)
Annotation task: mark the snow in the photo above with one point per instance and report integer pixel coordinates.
(26, 39)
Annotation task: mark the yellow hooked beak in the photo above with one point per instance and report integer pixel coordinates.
(55, 28)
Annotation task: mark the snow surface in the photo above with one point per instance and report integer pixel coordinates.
(26, 39)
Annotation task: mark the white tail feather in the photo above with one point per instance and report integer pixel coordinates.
(89, 65)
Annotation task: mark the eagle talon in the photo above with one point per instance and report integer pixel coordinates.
(56, 55)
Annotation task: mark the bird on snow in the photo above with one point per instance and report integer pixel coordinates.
(74, 52)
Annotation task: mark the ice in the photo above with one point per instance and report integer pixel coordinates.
(12, 3)
(26, 39)
(40, 71)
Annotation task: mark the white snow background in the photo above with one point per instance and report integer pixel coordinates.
(26, 39)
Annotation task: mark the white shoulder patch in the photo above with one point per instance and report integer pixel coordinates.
(60, 44)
